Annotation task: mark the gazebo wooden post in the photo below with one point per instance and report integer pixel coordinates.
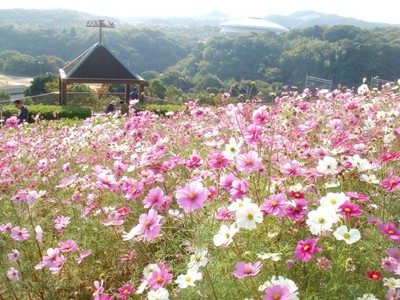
(64, 93)
(127, 92)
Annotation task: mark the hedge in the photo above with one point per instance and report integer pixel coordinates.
(50, 112)
(159, 109)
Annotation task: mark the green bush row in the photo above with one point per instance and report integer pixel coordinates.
(50, 112)
(159, 109)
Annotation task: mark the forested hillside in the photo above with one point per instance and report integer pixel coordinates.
(205, 58)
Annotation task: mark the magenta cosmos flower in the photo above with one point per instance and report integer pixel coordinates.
(192, 196)
(247, 269)
(125, 291)
(305, 249)
(277, 292)
(390, 231)
(391, 184)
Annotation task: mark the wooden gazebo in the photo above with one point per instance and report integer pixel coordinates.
(98, 65)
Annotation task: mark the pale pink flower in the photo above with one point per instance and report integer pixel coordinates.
(12, 274)
(249, 162)
(19, 234)
(13, 256)
(275, 205)
(247, 269)
(192, 196)
(67, 246)
(83, 255)
(61, 222)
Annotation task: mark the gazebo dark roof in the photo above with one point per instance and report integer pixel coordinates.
(97, 65)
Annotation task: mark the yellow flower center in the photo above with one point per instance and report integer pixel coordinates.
(147, 223)
(274, 203)
(306, 247)
(333, 201)
(159, 278)
(347, 210)
(248, 271)
(321, 220)
(232, 149)
(346, 235)
(250, 217)
(392, 182)
(188, 279)
(192, 196)
(391, 231)
(227, 235)
(249, 162)
(126, 291)
(277, 296)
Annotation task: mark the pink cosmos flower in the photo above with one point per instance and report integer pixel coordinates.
(390, 264)
(13, 256)
(323, 263)
(226, 181)
(225, 96)
(68, 246)
(252, 133)
(292, 168)
(275, 205)
(297, 209)
(223, 214)
(83, 255)
(19, 234)
(61, 222)
(51, 258)
(12, 274)
(247, 269)
(261, 116)
(390, 156)
(305, 249)
(391, 184)
(107, 181)
(132, 189)
(277, 292)
(192, 196)
(239, 188)
(99, 289)
(12, 122)
(159, 278)
(194, 161)
(357, 196)
(395, 253)
(349, 210)
(249, 162)
(390, 231)
(125, 291)
(218, 160)
(154, 198)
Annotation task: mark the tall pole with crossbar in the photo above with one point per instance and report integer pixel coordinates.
(100, 24)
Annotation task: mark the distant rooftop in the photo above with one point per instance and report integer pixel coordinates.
(250, 25)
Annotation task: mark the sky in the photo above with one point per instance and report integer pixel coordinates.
(373, 11)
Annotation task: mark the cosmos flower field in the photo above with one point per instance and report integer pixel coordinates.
(295, 200)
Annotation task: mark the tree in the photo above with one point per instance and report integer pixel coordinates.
(38, 85)
(157, 88)
(4, 95)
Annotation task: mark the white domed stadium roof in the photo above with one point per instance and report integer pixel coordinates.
(251, 25)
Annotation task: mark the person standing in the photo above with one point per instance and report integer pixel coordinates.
(134, 94)
(23, 115)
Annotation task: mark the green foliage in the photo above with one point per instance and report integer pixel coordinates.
(157, 88)
(4, 95)
(39, 84)
(51, 112)
(159, 109)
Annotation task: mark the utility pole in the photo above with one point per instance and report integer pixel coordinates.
(100, 24)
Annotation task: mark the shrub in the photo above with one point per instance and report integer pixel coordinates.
(51, 112)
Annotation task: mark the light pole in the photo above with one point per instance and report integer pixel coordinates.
(40, 65)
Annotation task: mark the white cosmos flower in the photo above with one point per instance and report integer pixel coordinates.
(234, 206)
(160, 294)
(369, 179)
(198, 259)
(367, 297)
(349, 236)
(189, 278)
(232, 149)
(327, 166)
(321, 219)
(392, 283)
(333, 200)
(225, 235)
(269, 255)
(248, 215)
(360, 163)
(126, 236)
